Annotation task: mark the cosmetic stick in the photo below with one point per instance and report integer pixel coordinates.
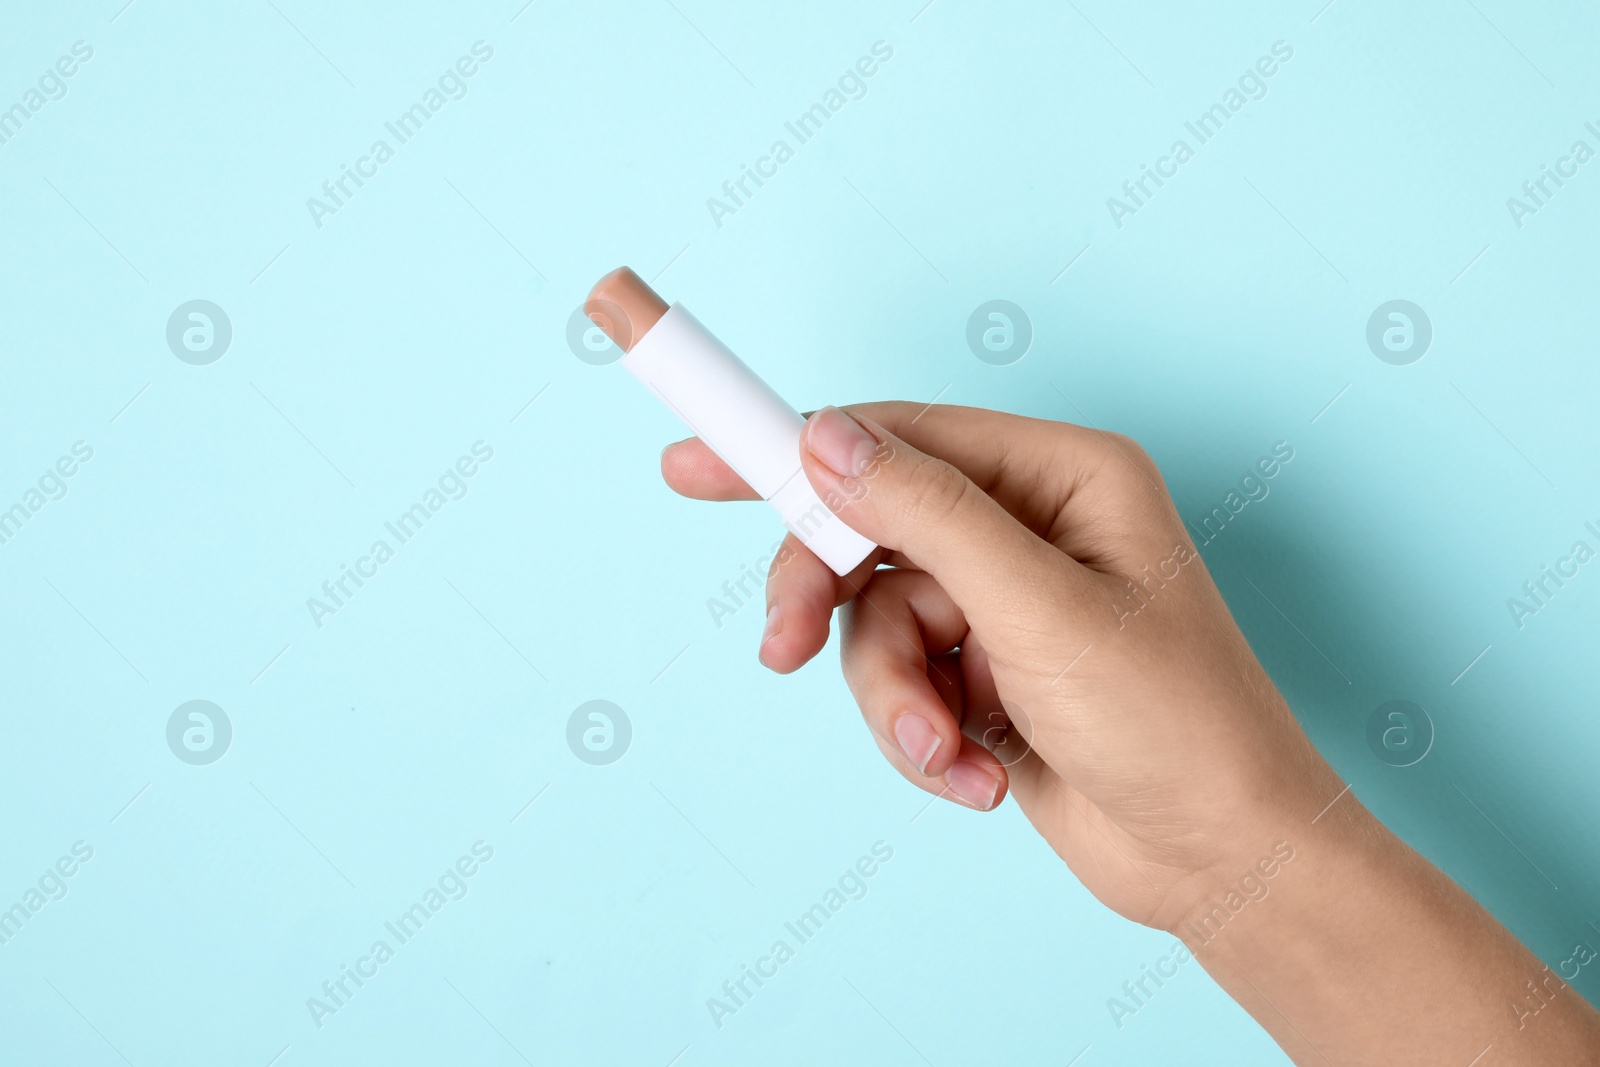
(726, 404)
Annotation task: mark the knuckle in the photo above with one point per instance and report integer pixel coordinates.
(1131, 453)
(934, 491)
(1130, 448)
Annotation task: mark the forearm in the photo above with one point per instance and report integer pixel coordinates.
(1361, 952)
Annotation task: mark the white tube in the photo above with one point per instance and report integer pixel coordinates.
(745, 423)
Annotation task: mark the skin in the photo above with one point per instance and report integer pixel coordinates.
(997, 645)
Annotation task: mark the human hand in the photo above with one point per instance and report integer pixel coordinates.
(1042, 625)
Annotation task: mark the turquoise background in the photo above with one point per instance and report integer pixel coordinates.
(430, 312)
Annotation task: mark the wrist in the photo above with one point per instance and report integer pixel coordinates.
(1267, 814)
(1285, 869)
(1316, 952)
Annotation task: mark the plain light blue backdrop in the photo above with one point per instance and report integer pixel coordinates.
(430, 312)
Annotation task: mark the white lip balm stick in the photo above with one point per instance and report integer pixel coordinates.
(726, 404)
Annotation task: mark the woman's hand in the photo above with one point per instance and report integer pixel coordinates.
(1038, 621)
(1044, 626)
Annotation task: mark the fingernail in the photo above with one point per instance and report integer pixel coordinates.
(973, 785)
(918, 740)
(773, 627)
(840, 442)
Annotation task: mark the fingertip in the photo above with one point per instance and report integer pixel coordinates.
(676, 466)
(792, 636)
(975, 779)
(771, 651)
(801, 594)
(691, 469)
(922, 744)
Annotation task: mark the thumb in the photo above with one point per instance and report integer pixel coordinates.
(1002, 575)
